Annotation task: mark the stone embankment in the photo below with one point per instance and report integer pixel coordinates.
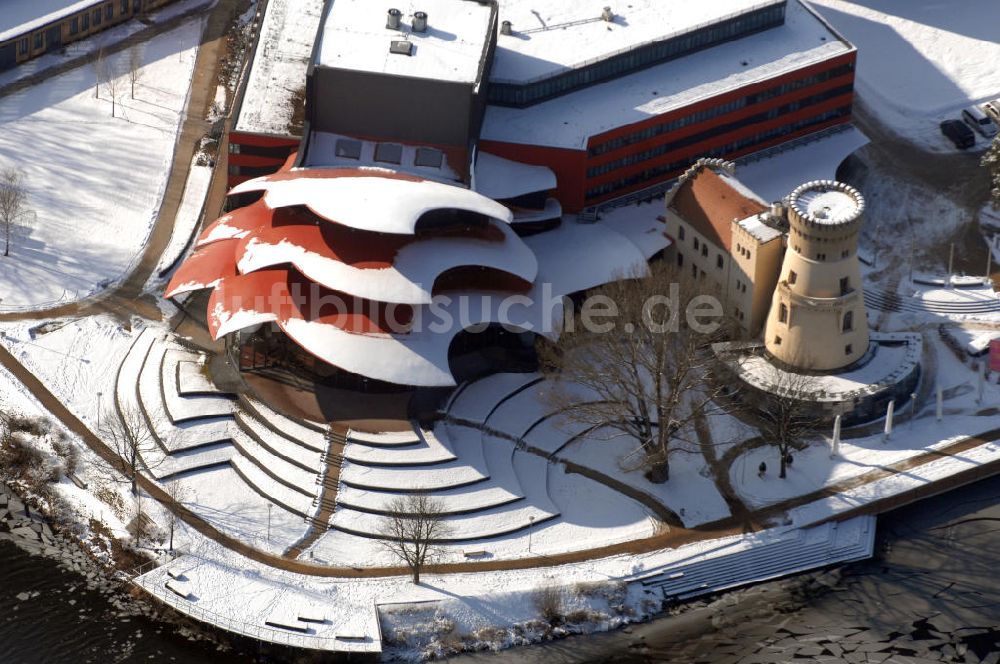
(32, 532)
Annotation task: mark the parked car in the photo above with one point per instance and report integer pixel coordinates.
(958, 133)
(978, 120)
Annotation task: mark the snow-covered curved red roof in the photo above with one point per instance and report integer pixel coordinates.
(368, 198)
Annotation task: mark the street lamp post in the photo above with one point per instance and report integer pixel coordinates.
(531, 523)
(269, 506)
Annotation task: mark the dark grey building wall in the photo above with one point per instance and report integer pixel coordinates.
(393, 107)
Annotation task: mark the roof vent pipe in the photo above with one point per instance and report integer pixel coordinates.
(506, 28)
(393, 20)
(608, 15)
(420, 22)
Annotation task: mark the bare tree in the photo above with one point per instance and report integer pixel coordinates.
(135, 70)
(413, 529)
(991, 162)
(125, 431)
(113, 89)
(646, 369)
(12, 199)
(785, 418)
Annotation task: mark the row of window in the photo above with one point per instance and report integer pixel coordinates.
(389, 153)
(718, 130)
(821, 256)
(743, 251)
(722, 109)
(512, 94)
(80, 23)
(846, 325)
(655, 172)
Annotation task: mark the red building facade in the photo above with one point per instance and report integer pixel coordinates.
(732, 124)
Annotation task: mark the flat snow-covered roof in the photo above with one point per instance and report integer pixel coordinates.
(552, 36)
(570, 120)
(20, 16)
(278, 70)
(452, 47)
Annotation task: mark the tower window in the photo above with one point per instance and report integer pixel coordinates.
(821, 257)
(845, 286)
(777, 341)
(792, 277)
(680, 232)
(782, 313)
(848, 321)
(848, 349)
(845, 253)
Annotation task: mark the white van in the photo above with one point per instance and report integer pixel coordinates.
(978, 120)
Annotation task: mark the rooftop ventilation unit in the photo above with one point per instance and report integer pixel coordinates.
(607, 14)
(393, 20)
(420, 22)
(506, 28)
(401, 47)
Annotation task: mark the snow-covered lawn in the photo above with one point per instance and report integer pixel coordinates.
(920, 61)
(94, 182)
(814, 468)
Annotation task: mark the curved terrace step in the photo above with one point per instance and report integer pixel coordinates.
(430, 450)
(280, 445)
(190, 377)
(280, 470)
(383, 439)
(477, 402)
(461, 500)
(312, 437)
(533, 473)
(488, 524)
(181, 408)
(408, 478)
(271, 490)
(188, 462)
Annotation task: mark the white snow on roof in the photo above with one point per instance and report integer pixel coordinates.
(421, 357)
(575, 257)
(411, 278)
(501, 178)
(355, 37)
(552, 36)
(21, 16)
(775, 177)
(570, 120)
(758, 229)
(379, 204)
(641, 224)
(278, 70)
(829, 207)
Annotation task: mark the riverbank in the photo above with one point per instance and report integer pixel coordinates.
(928, 595)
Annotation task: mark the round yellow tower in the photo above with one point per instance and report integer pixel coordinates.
(817, 320)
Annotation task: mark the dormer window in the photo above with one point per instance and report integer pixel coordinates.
(389, 153)
(348, 149)
(429, 157)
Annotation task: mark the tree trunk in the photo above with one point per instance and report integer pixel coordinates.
(659, 471)
(781, 472)
(416, 575)
(6, 249)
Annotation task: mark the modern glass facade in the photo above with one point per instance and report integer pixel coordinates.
(646, 55)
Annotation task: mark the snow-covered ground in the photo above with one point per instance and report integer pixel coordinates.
(920, 62)
(94, 182)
